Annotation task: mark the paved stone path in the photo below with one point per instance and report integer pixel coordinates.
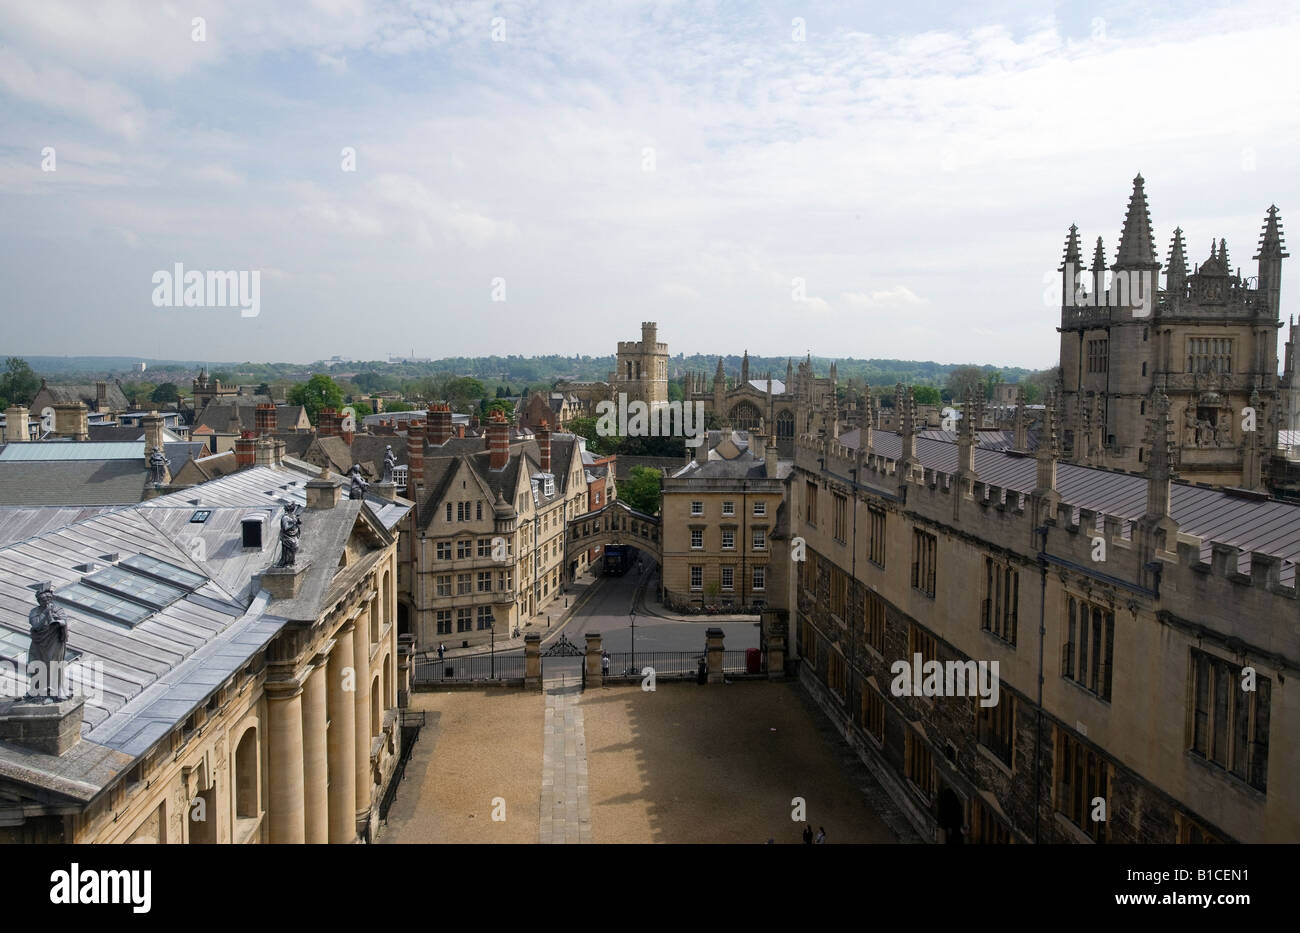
(565, 810)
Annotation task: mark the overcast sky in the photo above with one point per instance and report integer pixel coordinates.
(916, 165)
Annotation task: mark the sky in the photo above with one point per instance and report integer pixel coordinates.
(475, 178)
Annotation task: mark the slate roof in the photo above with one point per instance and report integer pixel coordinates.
(216, 414)
(442, 462)
(72, 482)
(71, 394)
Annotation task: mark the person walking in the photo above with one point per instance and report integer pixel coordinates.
(604, 663)
(807, 835)
(821, 835)
(442, 649)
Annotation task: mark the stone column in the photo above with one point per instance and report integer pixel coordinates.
(594, 676)
(342, 738)
(284, 705)
(774, 639)
(315, 761)
(361, 750)
(713, 649)
(405, 655)
(532, 660)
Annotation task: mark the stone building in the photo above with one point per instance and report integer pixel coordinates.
(488, 547)
(102, 398)
(641, 367)
(217, 697)
(722, 515)
(1144, 631)
(1208, 340)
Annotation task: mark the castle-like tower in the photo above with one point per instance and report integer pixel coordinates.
(1208, 340)
(641, 369)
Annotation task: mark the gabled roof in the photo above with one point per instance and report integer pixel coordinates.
(216, 414)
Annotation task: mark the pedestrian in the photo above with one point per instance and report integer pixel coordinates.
(821, 835)
(442, 649)
(604, 663)
(807, 835)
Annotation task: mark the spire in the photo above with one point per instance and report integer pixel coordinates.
(1099, 257)
(1022, 427)
(1177, 255)
(1223, 254)
(744, 369)
(1160, 473)
(1136, 246)
(789, 374)
(1270, 238)
(1045, 488)
(966, 438)
(1073, 255)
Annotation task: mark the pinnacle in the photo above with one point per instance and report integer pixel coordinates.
(1135, 242)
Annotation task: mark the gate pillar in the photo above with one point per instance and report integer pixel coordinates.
(594, 677)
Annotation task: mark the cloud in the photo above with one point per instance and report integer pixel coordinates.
(898, 296)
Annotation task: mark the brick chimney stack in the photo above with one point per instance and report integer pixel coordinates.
(439, 426)
(414, 456)
(327, 423)
(265, 419)
(544, 445)
(153, 432)
(498, 438)
(101, 396)
(245, 450)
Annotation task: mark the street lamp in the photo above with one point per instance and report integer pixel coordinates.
(492, 631)
(631, 615)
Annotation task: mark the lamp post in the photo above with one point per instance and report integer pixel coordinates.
(631, 616)
(492, 651)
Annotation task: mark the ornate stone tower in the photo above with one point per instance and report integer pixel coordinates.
(1206, 341)
(641, 367)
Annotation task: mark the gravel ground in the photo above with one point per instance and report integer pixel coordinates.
(475, 745)
(684, 764)
(702, 764)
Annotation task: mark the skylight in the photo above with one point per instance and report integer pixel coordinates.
(165, 571)
(131, 591)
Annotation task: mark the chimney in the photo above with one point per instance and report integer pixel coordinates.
(702, 451)
(439, 424)
(544, 445)
(245, 450)
(16, 425)
(101, 396)
(265, 419)
(327, 423)
(460, 431)
(264, 451)
(72, 421)
(153, 431)
(414, 456)
(323, 492)
(769, 456)
(498, 438)
(756, 445)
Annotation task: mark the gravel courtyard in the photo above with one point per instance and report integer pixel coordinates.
(682, 764)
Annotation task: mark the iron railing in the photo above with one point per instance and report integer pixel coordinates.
(431, 670)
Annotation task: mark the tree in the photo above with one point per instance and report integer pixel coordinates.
(167, 392)
(496, 404)
(925, 395)
(18, 384)
(964, 378)
(362, 408)
(463, 390)
(264, 389)
(397, 406)
(641, 490)
(318, 392)
(990, 380)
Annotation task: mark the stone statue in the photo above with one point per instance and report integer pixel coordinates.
(1221, 438)
(157, 467)
(48, 648)
(358, 488)
(1189, 423)
(1204, 433)
(290, 533)
(390, 463)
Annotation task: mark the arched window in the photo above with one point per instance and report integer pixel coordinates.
(388, 681)
(785, 424)
(246, 782)
(375, 720)
(745, 417)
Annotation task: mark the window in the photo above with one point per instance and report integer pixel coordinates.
(760, 539)
(464, 549)
(464, 620)
(728, 508)
(810, 503)
(807, 639)
(835, 678)
(448, 511)
(923, 560)
(1082, 776)
(697, 538)
(478, 511)
(728, 539)
(921, 642)
(505, 581)
(918, 765)
(1191, 832)
(1098, 356)
(760, 579)
(1229, 725)
(485, 618)
(464, 584)
(1209, 355)
(485, 581)
(697, 507)
(444, 621)
(987, 829)
(444, 584)
(444, 550)
(461, 511)
(874, 621)
(484, 547)
(697, 577)
(728, 578)
(1001, 598)
(839, 517)
(996, 727)
(872, 713)
(877, 552)
(760, 509)
(839, 591)
(1089, 646)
